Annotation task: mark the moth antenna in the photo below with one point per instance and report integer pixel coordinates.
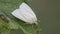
(38, 21)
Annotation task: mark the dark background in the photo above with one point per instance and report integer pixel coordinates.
(48, 12)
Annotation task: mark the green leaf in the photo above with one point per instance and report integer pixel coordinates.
(5, 31)
(3, 27)
(6, 7)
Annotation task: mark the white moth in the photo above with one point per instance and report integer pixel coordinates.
(25, 13)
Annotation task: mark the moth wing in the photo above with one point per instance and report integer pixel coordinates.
(28, 9)
(17, 14)
(28, 17)
(25, 13)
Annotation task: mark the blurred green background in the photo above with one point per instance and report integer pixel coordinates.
(48, 12)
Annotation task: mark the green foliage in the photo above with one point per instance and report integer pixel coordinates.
(6, 7)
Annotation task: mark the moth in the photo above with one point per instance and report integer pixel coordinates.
(25, 13)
